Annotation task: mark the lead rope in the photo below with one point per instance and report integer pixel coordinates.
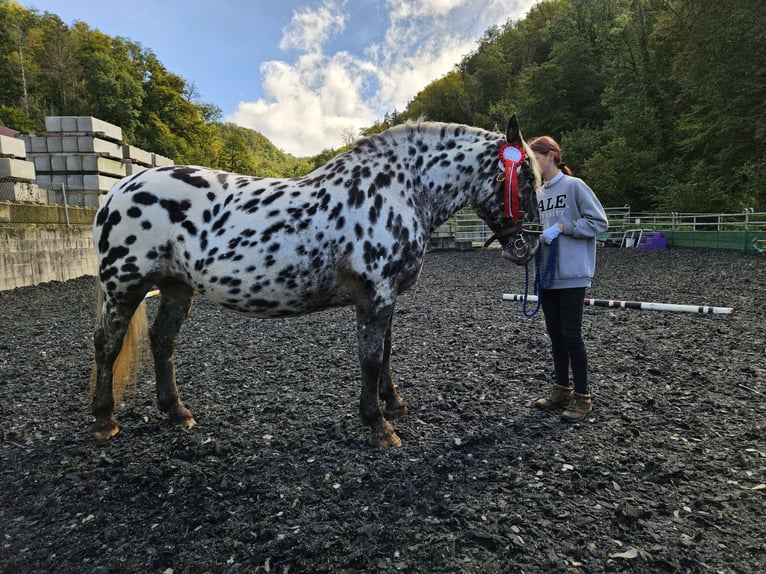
(543, 281)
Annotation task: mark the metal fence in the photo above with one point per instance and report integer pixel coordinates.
(746, 220)
(745, 230)
(24, 202)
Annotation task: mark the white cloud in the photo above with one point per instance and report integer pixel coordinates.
(310, 103)
(309, 29)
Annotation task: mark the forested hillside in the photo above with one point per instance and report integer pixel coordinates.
(658, 103)
(49, 68)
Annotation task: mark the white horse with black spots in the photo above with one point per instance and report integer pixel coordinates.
(352, 232)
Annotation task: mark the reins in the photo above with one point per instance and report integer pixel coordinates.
(541, 281)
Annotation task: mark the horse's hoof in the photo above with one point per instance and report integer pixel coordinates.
(389, 440)
(104, 429)
(181, 416)
(187, 423)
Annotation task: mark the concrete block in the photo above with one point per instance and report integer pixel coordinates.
(17, 168)
(90, 144)
(74, 163)
(54, 144)
(42, 164)
(83, 197)
(132, 168)
(27, 139)
(136, 155)
(98, 182)
(37, 144)
(52, 181)
(93, 125)
(44, 180)
(52, 123)
(12, 147)
(20, 191)
(158, 160)
(59, 163)
(102, 165)
(91, 199)
(69, 144)
(72, 181)
(68, 124)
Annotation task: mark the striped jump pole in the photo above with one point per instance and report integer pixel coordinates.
(643, 305)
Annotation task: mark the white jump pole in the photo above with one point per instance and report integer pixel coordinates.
(153, 293)
(643, 305)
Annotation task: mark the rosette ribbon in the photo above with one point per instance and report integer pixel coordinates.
(511, 158)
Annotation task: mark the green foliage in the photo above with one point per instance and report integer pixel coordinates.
(656, 103)
(19, 120)
(444, 100)
(49, 68)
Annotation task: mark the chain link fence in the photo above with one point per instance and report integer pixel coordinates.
(23, 202)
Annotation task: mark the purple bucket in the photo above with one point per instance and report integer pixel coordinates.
(653, 241)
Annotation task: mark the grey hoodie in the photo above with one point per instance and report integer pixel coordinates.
(569, 200)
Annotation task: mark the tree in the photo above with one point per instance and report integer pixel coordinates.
(444, 100)
(722, 122)
(61, 71)
(113, 85)
(18, 67)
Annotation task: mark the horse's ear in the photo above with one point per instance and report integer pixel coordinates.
(513, 132)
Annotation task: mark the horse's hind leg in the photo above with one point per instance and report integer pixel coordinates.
(175, 303)
(395, 406)
(108, 338)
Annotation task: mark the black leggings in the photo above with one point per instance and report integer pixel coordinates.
(563, 310)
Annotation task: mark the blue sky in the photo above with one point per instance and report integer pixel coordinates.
(302, 72)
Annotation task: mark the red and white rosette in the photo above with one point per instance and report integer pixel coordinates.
(511, 158)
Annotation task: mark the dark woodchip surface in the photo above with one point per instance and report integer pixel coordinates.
(666, 476)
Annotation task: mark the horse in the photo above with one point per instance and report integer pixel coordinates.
(352, 232)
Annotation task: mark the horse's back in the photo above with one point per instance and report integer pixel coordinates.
(263, 247)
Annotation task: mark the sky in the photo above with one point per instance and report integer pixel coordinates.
(304, 73)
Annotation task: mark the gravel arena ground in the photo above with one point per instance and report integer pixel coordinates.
(667, 475)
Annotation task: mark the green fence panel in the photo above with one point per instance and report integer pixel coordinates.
(736, 240)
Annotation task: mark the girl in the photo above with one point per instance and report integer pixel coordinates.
(572, 216)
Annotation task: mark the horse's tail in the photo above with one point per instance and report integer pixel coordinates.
(134, 348)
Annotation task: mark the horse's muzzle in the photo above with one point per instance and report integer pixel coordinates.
(519, 251)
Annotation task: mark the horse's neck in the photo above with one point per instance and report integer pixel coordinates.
(442, 193)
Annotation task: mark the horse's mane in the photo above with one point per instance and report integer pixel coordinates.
(405, 132)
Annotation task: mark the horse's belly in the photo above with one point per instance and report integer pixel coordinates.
(275, 296)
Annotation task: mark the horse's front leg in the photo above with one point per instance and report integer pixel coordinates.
(372, 328)
(395, 406)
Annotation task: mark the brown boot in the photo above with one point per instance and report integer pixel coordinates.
(557, 398)
(578, 408)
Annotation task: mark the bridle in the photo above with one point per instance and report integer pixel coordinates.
(519, 245)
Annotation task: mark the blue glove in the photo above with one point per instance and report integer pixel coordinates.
(551, 233)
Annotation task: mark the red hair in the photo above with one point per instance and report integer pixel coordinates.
(545, 145)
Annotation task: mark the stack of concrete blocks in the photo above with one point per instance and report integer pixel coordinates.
(85, 157)
(81, 156)
(135, 159)
(17, 173)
